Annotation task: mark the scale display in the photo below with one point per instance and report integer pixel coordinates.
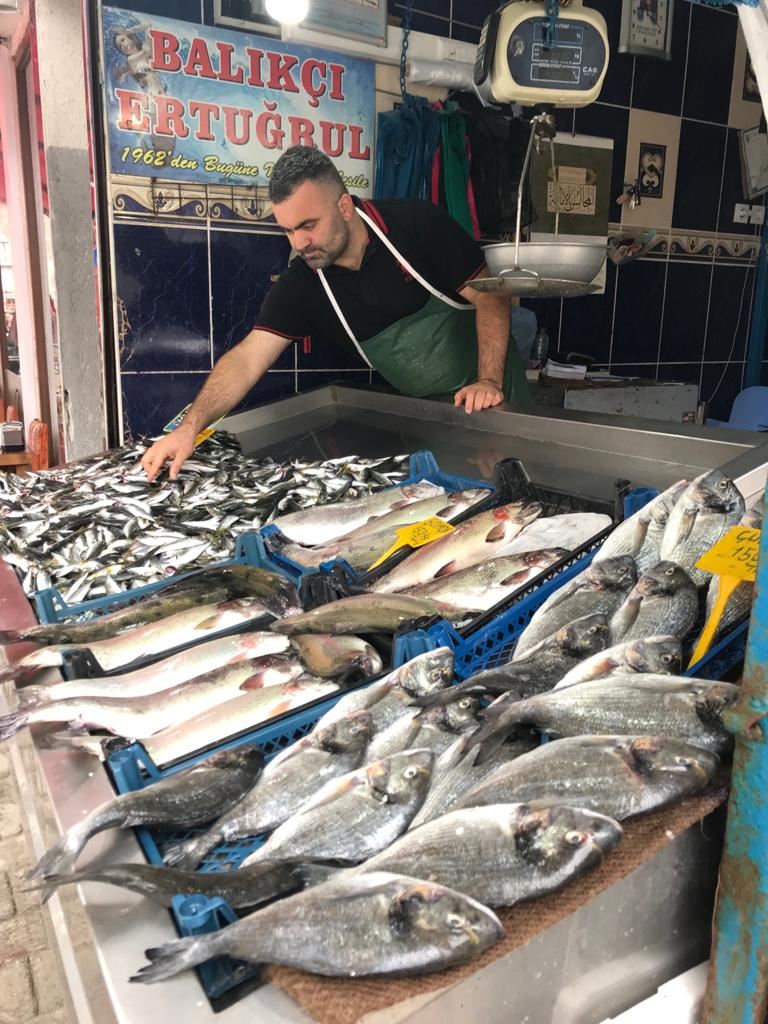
(575, 62)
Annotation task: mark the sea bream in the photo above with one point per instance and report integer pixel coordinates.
(376, 924)
(481, 537)
(322, 525)
(288, 782)
(664, 599)
(661, 655)
(598, 590)
(434, 730)
(706, 510)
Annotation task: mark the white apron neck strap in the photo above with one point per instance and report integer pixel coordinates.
(343, 319)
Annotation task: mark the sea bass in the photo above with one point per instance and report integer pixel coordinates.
(152, 641)
(289, 781)
(188, 799)
(707, 509)
(664, 599)
(351, 818)
(483, 585)
(598, 590)
(370, 924)
(615, 775)
(232, 717)
(473, 541)
(662, 655)
(502, 854)
(315, 526)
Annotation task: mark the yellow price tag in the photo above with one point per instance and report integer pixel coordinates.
(202, 436)
(416, 536)
(734, 559)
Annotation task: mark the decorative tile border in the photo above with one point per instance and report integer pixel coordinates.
(134, 197)
(707, 246)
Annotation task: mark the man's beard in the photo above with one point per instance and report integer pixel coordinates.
(319, 258)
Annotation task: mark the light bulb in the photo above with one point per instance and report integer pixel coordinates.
(288, 12)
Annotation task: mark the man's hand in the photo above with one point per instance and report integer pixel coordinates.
(175, 448)
(483, 394)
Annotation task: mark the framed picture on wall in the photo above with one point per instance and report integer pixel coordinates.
(365, 20)
(247, 14)
(646, 28)
(754, 161)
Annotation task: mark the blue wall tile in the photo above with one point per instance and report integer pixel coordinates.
(699, 172)
(618, 79)
(430, 23)
(548, 313)
(273, 385)
(729, 307)
(325, 355)
(720, 396)
(658, 83)
(150, 400)
(587, 321)
(162, 278)
(183, 10)
(242, 266)
(638, 312)
(710, 64)
(686, 373)
(608, 123)
(310, 381)
(465, 33)
(685, 311)
(472, 12)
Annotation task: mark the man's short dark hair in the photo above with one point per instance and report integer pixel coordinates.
(299, 164)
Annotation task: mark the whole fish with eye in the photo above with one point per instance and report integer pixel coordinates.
(661, 655)
(162, 675)
(366, 613)
(393, 696)
(665, 598)
(97, 528)
(632, 536)
(502, 854)
(456, 771)
(144, 642)
(137, 718)
(351, 818)
(615, 775)
(541, 668)
(232, 717)
(289, 781)
(673, 706)
(434, 730)
(204, 586)
(364, 546)
(376, 924)
(706, 510)
(482, 586)
(345, 658)
(322, 525)
(185, 800)
(475, 540)
(599, 590)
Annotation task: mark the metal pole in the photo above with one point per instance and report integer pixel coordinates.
(737, 987)
(758, 334)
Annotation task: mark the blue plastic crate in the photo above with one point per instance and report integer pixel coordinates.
(422, 466)
(51, 606)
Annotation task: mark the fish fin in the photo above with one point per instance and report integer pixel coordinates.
(11, 636)
(499, 719)
(333, 792)
(443, 513)
(173, 958)
(516, 577)
(446, 570)
(689, 521)
(12, 723)
(254, 682)
(310, 875)
(489, 747)
(497, 532)
(210, 623)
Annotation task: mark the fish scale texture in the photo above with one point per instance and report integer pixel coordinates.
(348, 1001)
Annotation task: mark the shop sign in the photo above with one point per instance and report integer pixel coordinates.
(204, 104)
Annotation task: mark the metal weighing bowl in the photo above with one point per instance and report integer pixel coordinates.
(534, 287)
(564, 261)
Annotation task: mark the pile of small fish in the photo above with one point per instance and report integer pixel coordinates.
(97, 528)
(389, 833)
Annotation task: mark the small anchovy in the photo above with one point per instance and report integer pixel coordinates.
(97, 528)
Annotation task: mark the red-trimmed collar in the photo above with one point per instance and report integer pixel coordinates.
(372, 212)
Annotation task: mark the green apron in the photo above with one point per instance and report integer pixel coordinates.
(433, 351)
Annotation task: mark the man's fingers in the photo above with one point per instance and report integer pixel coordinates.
(178, 462)
(152, 463)
(458, 398)
(469, 402)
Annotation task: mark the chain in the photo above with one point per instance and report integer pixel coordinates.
(550, 35)
(407, 16)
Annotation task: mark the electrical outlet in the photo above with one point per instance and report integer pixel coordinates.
(741, 213)
(757, 215)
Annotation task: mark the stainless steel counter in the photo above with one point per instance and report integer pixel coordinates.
(613, 952)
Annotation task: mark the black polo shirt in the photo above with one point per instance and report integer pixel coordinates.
(381, 292)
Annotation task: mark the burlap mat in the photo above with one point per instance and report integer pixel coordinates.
(347, 1001)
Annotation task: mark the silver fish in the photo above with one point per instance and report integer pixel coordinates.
(364, 613)
(480, 537)
(337, 657)
(375, 924)
(707, 509)
(434, 730)
(655, 654)
(571, 531)
(289, 781)
(665, 598)
(351, 818)
(659, 510)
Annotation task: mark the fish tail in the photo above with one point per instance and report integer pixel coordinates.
(175, 957)
(12, 723)
(32, 697)
(11, 636)
(122, 875)
(186, 856)
(498, 723)
(62, 855)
